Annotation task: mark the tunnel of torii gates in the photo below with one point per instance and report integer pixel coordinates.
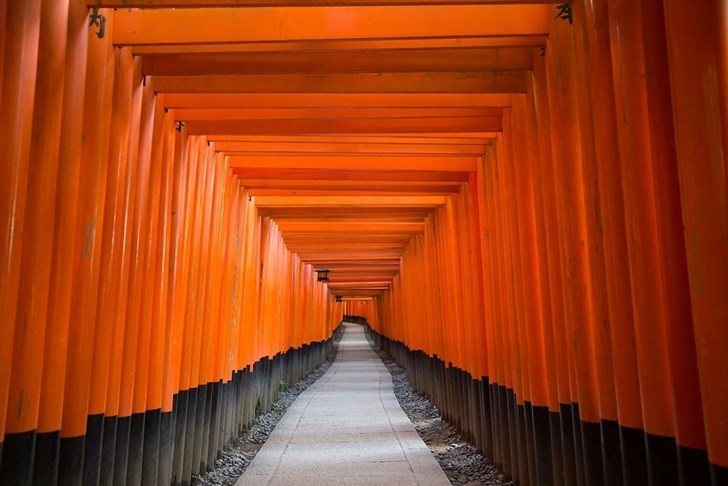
(525, 202)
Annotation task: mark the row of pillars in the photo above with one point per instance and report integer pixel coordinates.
(589, 273)
(134, 269)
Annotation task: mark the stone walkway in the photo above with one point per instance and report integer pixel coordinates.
(347, 428)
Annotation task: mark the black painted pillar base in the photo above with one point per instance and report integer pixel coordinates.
(662, 460)
(108, 452)
(718, 475)
(694, 466)
(486, 423)
(17, 460)
(578, 444)
(206, 428)
(121, 455)
(70, 470)
(136, 450)
(166, 438)
(92, 449)
(591, 445)
(150, 459)
(45, 461)
(524, 475)
(189, 442)
(541, 419)
(199, 429)
(512, 438)
(611, 453)
(634, 456)
(566, 424)
(557, 450)
(178, 438)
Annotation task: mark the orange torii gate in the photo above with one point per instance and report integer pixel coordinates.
(527, 202)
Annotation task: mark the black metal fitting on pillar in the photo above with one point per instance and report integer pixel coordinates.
(97, 20)
(565, 12)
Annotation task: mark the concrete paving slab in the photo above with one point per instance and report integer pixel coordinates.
(346, 429)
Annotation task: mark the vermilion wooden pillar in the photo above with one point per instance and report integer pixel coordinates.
(697, 46)
(146, 405)
(638, 166)
(599, 113)
(3, 18)
(186, 415)
(19, 66)
(515, 208)
(485, 195)
(573, 218)
(593, 32)
(511, 376)
(251, 267)
(67, 240)
(113, 271)
(478, 402)
(210, 272)
(539, 333)
(24, 399)
(183, 288)
(212, 269)
(228, 351)
(199, 305)
(129, 444)
(228, 230)
(118, 403)
(485, 304)
(601, 444)
(174, 398)
(156, 462)
(689, 423)
(562, 441)
(232, 300)
(96, 135)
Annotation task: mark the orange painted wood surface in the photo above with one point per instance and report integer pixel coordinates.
(538, 205)
(648, 299)
(332, 61)
(700, 116)
(69, 234)
(100, 218)
(316, 23)
(244, 3)
(17, 92)
(33, 384)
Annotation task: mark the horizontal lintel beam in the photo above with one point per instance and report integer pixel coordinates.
(178, 4)
(355, 163)
(365, 82)
(334, 100)
(330, 61)
(351, 201)
(205, 25)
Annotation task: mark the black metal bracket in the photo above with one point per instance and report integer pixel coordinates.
(180, 125)
(565, 12)
(98, 20)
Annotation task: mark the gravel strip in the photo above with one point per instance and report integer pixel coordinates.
(460, 460)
